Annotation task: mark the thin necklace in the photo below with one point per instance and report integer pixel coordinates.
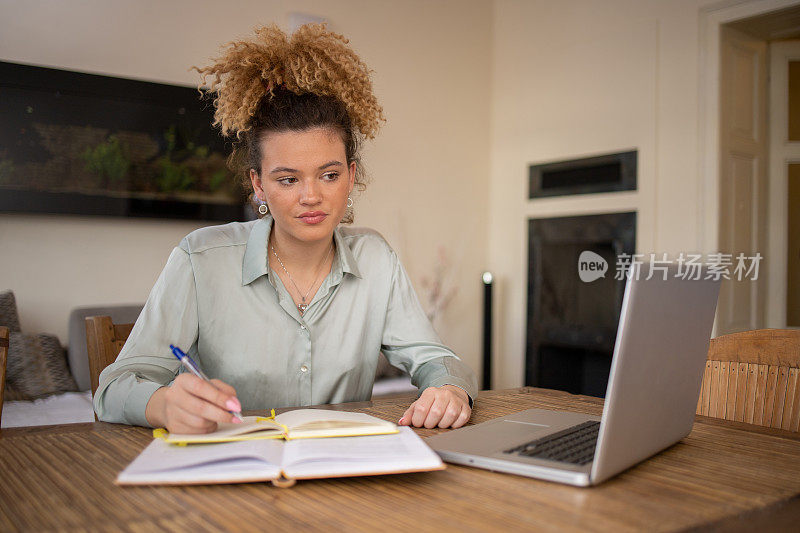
(302, 306)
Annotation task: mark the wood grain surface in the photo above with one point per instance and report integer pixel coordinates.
(61, 478)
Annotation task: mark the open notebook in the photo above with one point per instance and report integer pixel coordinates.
(162, 463)
(297, 424)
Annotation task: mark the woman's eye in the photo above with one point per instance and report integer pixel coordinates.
(330, 176)
(287, 180)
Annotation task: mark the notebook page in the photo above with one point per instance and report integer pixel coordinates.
(300, 417)
(230, 461)
(251, 427)
(403, 451)
(317, 423)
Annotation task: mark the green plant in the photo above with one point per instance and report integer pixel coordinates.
(218, 179)
(6, 172)
(174, 176)
(107, 160)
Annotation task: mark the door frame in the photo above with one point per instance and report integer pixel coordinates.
(712, 17)
(782, 152)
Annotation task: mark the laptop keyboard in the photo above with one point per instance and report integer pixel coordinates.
(574, 445)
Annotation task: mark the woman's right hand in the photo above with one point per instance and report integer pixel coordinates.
(192, 405)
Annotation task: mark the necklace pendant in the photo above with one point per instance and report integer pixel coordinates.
(302, 308)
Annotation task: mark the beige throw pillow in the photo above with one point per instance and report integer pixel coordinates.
(36, 367)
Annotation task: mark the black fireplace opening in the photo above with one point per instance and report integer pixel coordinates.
(572, 324)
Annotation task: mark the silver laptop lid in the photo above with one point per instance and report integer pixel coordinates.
(657, 368)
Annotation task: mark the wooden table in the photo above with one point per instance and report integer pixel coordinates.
(723, 475)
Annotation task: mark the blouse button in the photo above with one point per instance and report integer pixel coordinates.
(302, 326)
(304, 368)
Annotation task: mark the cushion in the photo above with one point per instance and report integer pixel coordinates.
(36, 367)
(8, 311)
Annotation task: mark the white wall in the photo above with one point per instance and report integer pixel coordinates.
(429, 165)
(579, 78)
(474, 91)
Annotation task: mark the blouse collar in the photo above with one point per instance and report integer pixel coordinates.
(255, 262)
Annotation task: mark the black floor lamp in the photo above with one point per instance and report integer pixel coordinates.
(487, 279)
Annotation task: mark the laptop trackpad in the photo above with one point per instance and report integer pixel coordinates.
(489, 437)
(512, 433)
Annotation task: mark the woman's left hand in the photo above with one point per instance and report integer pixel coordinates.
(445, 406)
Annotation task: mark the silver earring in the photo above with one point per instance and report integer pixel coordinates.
(263, 209)
(349, 202)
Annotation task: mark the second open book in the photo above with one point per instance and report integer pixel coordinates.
(297, 424)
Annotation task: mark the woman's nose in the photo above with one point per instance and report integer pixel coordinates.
(311, 193)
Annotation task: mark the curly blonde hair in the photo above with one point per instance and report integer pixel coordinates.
(311, 60)
(276, 82)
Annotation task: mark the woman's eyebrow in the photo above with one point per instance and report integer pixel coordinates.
(322, 167)
(282, 169)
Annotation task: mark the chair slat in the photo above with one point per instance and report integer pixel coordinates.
(714, 388)
(761, 394)
(790, 405)
(772, 384)
(733, 380)
(724, 374)
(741, 392)
(750, 398)
(795, 423)
(99, 335)
(780, 397)
(702, 397)
(706, 388)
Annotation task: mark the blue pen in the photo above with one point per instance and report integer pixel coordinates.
(192, 367)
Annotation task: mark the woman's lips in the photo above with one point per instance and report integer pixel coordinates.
(313, 217)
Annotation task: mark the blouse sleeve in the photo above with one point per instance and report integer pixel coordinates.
(410, 342)
(146, 363)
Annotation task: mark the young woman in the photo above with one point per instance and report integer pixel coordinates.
(292, 309)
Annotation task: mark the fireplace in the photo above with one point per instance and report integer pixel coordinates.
(572, 324)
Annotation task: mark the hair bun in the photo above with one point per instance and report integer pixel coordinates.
(311, 60)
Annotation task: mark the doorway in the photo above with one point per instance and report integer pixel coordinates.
(757, 161)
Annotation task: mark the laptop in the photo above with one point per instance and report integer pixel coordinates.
(653, 388)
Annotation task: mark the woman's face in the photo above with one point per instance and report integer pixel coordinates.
(305, 180)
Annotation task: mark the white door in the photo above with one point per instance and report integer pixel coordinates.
(743, 177)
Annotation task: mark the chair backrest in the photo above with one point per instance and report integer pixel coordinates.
(104, 340)
(77, 352)
(3, 362)
(754, 377)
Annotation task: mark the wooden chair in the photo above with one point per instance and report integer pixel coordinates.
(753, 377)
(104, 340)
(3, 362)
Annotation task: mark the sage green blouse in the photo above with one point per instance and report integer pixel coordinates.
(220, 302)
